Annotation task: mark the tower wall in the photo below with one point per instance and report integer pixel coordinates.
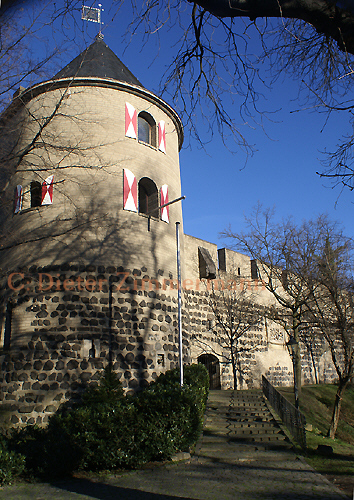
(86, 281)
(85, 148)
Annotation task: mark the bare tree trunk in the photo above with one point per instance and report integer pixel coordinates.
(298, 369)
(327, 17)
(234, 369)
(314, 367)
(297, 355)
(309, 343)
(343, 382)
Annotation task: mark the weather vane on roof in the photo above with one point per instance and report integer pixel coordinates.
(93, 14)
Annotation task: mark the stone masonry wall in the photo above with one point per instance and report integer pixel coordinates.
(207, 338)
(61, 340)
(265, 351)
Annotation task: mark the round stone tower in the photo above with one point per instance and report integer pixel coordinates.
(88, 258)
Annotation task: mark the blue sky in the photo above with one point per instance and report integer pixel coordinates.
(220, 187)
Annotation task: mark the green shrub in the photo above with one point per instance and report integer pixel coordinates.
(170, 420)
(108, 431)
(172, 416)
(47, 451)
(66, 443)
(103, 435)
(98, 430)
(109, 389)
(12, 464)
(197, 375)
(193, 375)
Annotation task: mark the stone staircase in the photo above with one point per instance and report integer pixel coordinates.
(242, 418)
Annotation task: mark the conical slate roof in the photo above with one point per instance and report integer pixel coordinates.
(98, 60)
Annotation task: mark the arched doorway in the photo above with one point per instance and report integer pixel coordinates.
(211, 363)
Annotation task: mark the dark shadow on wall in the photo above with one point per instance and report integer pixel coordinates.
(55, 324)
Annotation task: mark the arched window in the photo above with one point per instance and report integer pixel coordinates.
(146, 129)
(36, 194)
(148, 197)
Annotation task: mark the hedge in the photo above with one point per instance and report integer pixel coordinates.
(108, 430)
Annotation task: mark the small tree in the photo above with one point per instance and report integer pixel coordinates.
(237, 316)
(332, 311)
(285, 258)
(308, 269)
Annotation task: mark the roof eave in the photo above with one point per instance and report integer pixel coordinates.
(42, 87)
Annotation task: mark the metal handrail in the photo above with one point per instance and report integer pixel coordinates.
(291, 417)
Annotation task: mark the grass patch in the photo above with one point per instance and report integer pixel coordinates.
(316, 403)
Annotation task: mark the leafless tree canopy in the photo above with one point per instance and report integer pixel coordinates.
(309, 270)
(216, 65)
(237, 318)
(286, 260)
(331, 311)
(218, 47)
(335, 19)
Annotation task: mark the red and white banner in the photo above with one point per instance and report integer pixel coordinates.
(47, 191)
(162, 136)
(131, 121)
(165, 211)
(130, 191)
(18, 199)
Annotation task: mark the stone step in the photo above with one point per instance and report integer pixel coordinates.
(237, 446)
(256, 425)
(247, 401)
(250, 418)
(253, 401)
(252, 424)
(239, 398)
(215, 431)
(247, 414)
(235, 414)
(238, 411)
(253, 432)
(260, 438)
(228, 409)
(239, 401)
(243, 421)
(231, 402)
(243, 430)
